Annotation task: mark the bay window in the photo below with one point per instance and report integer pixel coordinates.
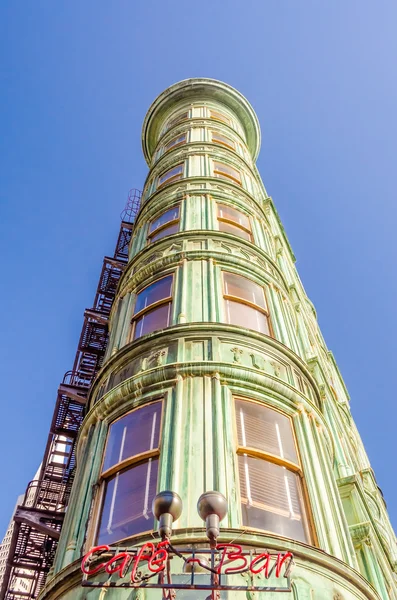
(228, 172)
(152, 308)
(177, 141)
(171, 175)
(178, 119)
(218, 138)
(218, 116)
(129, 474)
(245, 303)
(231, 220)
(165, 224)
(269, 472)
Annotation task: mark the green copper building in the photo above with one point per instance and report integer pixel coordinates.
(217, 378)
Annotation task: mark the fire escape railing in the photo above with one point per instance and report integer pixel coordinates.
(38, 520)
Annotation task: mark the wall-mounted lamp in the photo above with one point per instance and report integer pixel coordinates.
(167, 508)
(212, 508)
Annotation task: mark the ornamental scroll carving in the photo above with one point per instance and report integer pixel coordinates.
(237, 354)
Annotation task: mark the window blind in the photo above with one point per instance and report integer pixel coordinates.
(265, 429)
(127, 507)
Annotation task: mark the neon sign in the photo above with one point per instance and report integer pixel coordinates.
(150, 566)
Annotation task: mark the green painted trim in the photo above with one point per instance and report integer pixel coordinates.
(269, 201)
(197, 89)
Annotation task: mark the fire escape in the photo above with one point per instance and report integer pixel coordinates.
(38, 521)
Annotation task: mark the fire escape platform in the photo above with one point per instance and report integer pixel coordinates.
(35, 517)
(38, 521)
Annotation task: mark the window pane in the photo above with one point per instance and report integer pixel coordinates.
(222, 170)
(158, 318)
(165, 231)
(127, 508)
(175, 173)
(235, 230)
(222, 139)
(265, 429)
(240, 287)
(232, 214)
(214, 114)
(165, 217)
(133, 434)
(271, 498)
(153, 293)
(178, 119)
(246, 316)
(181, 139)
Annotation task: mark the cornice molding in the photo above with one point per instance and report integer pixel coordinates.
(254, 378)
(175, 243)
(167, 159)
(195, 90)
(201, 186)
(203, 182)
(199, 123)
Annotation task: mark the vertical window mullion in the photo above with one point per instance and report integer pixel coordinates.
(146, 499)
(122, 444)
(112, 505)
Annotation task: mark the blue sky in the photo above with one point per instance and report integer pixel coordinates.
(76, 81)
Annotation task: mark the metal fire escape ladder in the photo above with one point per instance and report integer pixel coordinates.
(38, 521)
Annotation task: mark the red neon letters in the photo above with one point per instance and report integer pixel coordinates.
(156, 558)
(232, 560)
(260, 562)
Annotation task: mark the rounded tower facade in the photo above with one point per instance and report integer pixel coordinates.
(217, 378)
